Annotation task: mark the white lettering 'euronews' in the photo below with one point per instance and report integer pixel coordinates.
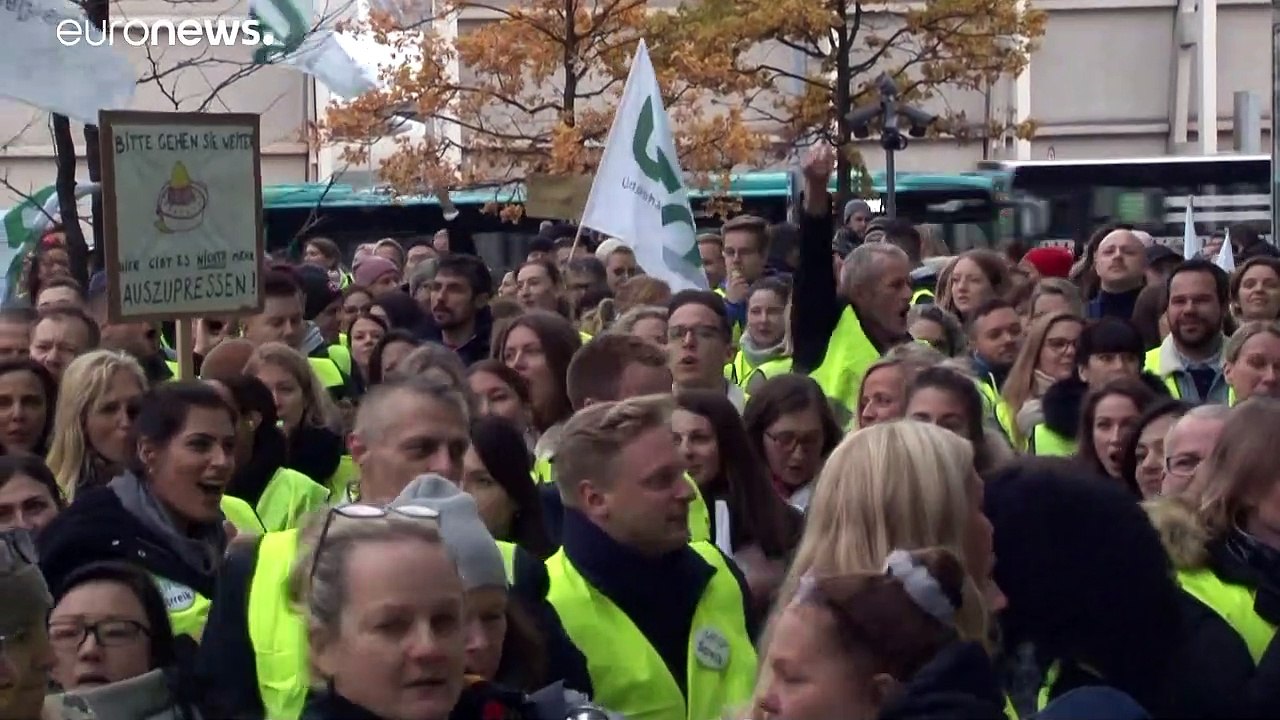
(189, 32)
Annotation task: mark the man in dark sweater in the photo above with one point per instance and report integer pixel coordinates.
(1121, 264)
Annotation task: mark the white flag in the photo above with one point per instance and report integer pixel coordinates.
(1226, 256)
(1191, 245)
(638, 194)
(50, 59)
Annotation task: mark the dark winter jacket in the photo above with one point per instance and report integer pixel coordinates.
(473, 350)
(960, 683)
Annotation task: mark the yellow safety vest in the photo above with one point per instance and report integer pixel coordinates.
(174, 370)
(629, 677)
(849, 354)
(344, 478)
(1234, 604)
(1046, 442)
(288, 497)
(742, 373)
(341, 357)
(344, 340)
(1151, 364)
(699, 515)
(242, 515)
(921, 294)
(585, 337)
(327, 372)
(279, 635)
(997, 407)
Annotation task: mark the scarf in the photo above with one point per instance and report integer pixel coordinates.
(1040, 383)
(95, 471)
(757, 356)
(201, 550)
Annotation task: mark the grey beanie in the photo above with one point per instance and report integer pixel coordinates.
(855, 205)
(469, 542)
(23, 592)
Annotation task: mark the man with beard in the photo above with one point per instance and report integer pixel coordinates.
(1121, 264)
(459, 298)
(1189, 361)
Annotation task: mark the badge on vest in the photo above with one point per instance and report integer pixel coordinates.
(711, 648)
(176, 597)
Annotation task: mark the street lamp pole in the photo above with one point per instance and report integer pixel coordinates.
(1275, 119)
(890, 111)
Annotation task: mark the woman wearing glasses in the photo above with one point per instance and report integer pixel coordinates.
(791, 425)
(164, 513)
(113, 644)
(1048, 356)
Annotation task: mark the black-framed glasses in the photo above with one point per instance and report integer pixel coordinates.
(1182, 465)
(69, 635)
(362, 511)
(17, 551)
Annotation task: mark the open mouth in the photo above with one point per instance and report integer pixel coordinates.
(211, 488)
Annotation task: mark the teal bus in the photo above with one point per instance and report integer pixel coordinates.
(964, 209)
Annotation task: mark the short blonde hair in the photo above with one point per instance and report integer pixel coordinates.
(320, 410)
(84, 382)
(593, 438)
(1245, 333)
(627, 321)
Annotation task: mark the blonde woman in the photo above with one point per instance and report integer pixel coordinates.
(906, 485)
(307, 415)
(644, 321)
(93, 423)
(1047, 356)
(1222, 539)
(882, 396)
(1251, 361)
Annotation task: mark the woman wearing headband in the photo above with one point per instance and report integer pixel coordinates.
(865, 646)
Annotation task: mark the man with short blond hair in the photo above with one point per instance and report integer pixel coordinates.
(663, 622)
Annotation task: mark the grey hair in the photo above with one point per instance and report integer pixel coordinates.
(437, 362)
(627, 321)
(317, 585)
(1245, 333)
(861, 266)
(376, 414)
(1213, 411)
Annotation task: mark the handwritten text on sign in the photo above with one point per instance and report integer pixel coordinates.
(185, 212)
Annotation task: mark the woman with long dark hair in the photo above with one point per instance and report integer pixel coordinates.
(497, 472)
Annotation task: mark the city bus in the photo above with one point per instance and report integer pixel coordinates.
(1073, 197)
(964, 209)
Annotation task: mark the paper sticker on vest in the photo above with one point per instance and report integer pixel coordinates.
(176, 597)
(711, 648)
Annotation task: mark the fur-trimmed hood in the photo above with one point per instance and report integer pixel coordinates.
(1184, 537)
(1064, 401)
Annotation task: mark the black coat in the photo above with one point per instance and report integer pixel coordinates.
(959, 684)
(97, 527)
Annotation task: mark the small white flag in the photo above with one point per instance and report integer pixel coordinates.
(638, 194)
(1226, 258)
(1191, 245)
(52, 59)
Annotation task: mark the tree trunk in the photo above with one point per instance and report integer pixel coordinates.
(65, 149)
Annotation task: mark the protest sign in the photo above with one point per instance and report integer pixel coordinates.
(182, 211)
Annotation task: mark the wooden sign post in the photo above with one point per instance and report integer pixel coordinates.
(182, 216)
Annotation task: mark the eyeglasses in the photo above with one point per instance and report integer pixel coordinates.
(1184, 465)
(357, 309)
(700, 332)
(789, 441)
(68, 636)
(360, 511)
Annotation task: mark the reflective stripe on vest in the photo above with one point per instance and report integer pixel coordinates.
(921, 294)
(508, 551)
(277, 633)
(1046, 442)
(1234, 604)
(849, 354)
(188, 609)
(288, 496)
(241, 514)
(1151, 364)
(629, 677)
(341, 357)
(347, 475)
(327, 372)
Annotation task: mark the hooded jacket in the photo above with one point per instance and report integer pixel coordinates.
(1217, 676)
(959, 683)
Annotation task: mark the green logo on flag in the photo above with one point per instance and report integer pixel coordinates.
(660, 170)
